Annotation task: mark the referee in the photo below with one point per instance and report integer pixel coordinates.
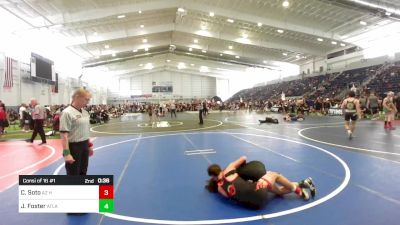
(38, 115)
(74, 130)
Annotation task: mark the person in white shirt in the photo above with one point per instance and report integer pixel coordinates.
(21, 111)
(38, 116)
(74, 132)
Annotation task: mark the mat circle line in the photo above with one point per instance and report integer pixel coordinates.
(335, 192)
(173, 124)
(300, 133)
(154, 132)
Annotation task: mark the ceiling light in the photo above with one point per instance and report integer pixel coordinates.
(388, 13)
(106, 46)
(181, 10)
(140, 12)
(95, 33)
(259, 24)
(297, 56)
(230, 47)
(134, 50)
(363, 23)
(341, 44)
(140, 64)
(211, 14)
(168, 60)
(238, 57)
(230, 20)
(280, 31)
(149, 66)
(284, 53)
(196, 41)
(221, 54)
(320, 39)
(245, 35)
(121, 16)
(334, 42)
(141, 26)
(204, 51)
(204, 69)
(144, 40)
(96, 57)
(191, 64)
(181, 65)
(285, 3)
(190, 49)
(146, 49)
(264, 61)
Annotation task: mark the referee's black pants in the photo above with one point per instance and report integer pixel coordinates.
(200, 116)
(38, 128)
(80, 152)
(173, 112)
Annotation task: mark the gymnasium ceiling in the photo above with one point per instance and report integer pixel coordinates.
(127, 34)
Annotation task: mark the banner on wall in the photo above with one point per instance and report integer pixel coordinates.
(162, 87)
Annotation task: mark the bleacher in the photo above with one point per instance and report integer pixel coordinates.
(388, 80)
(345, 81)
(329, 85)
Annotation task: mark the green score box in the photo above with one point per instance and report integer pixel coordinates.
(106, 205)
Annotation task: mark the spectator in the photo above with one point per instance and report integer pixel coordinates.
(3, 119)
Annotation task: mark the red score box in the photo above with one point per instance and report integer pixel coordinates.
(106, 192)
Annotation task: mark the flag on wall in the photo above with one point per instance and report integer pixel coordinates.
(8, 72)
(54, 88)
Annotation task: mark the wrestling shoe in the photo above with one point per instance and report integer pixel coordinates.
(308, 183)
(350, 134)
(304, 194)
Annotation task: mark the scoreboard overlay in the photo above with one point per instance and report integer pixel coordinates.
(65, 194)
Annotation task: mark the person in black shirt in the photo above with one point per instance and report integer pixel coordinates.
(269, 120)
(352, 112)
(232, 182)
(201, 111)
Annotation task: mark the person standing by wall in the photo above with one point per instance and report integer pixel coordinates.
(38, 116)
(173, 109)
(390, 110)
(397, 103)
(373, 105)
(74, 132)
(200, 106)
(3, 119)
(21, 110)
(3, 105)
(205, 109)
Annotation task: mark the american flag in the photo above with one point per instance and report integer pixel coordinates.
(8, 72)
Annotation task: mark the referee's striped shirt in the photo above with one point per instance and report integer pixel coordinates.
(39, 112)
(76, 123)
